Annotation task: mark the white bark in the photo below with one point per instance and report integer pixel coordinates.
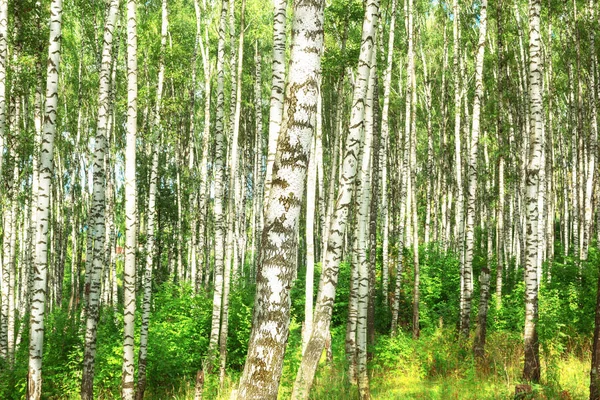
(329, 276)
(531, 370)
(363, 200)
(38, 301)
(130, 206)
(219, 223)
(387, 81)
(472, 174)
(98, 204)
(278, 261)
(151, 210)
(277, 86)
(311, 192)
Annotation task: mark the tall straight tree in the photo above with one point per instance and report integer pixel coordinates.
(459, 217)
(130, 206)
(337, 230)
(98, 203)
(531, 370)
(156, 136)
(219, 223)
(46, 169)
(234, 200)
(202, 192)
(278, 261)
(472, 173)
(387, 82)
(277, 86)
(3, 271)
(363, 199)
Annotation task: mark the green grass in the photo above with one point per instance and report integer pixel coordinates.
(437, 366)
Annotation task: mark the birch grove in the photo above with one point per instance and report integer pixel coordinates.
(306, 199)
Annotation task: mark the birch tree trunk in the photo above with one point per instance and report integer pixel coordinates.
(202, 192)
(387, 81)
(218, 194)
(130, 206)
(459, 215)
(98, 204)
(234, 200)
(472, 173)
(311, 193)
(531, 371)
(151, 210)
(40, 276)
(146, 304)
(277, 87)
(350, 161)
(270, 324)
(363, 199)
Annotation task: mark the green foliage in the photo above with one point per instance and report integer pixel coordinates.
(440, 289)
(178, 335)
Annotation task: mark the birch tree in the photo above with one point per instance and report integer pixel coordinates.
(277, 86)
(98, 205)
(531, 370)
(350, 161)
(130, 206)
(40, 278)
(472, 172)
(156, 133)
(270, 322)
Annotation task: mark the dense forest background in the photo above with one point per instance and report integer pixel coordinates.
(322, 199)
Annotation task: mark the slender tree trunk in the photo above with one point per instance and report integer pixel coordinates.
(387, 81)
(350, 343)
(472, 173)
(311, 192)
(203, 187)
(258, 183)
(98, 204)
(484, 276)
(218, 194)
(234, 198)
(146, 303)
(131, 214)
(40, 278)
(593, 145)
(363, 199)
(277, 86)
(329, 276)
(151, 210)
(459, 217)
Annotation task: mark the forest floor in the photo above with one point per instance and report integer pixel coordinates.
(437, 367)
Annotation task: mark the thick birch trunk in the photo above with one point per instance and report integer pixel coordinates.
(270, 327)
(531, 371)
